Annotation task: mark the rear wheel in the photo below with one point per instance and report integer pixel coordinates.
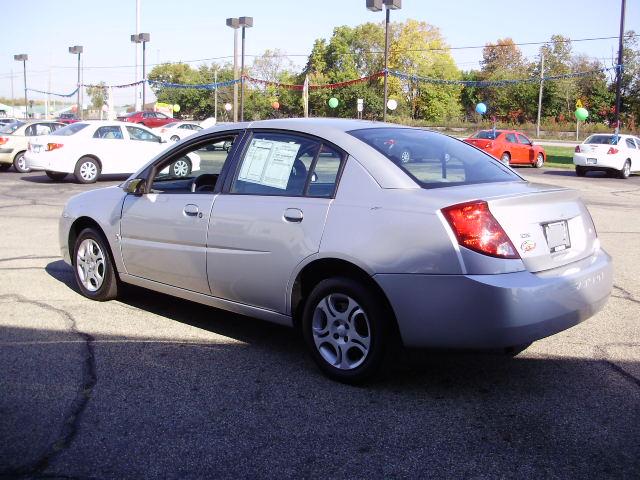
(346, 329)
(505, 158)
(181, 167)
(626, 170)
(539, 161)
(175, 138)
(580, 171)
(405, 155)
(20, 164)
(93, 267)
(87, 170)
(55, 175)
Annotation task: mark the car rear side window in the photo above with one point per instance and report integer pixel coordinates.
(435, 160)
(70, 129)
(110, 132)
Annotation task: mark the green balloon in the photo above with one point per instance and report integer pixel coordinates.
(333, 102)
(581, 114)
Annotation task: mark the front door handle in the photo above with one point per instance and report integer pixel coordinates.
(191, 210)
(293, 215)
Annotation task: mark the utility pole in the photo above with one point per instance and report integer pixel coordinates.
(137, 94)
(540, 93)
(235, 24)
(619, 68)
(215, 94)
(13, 100)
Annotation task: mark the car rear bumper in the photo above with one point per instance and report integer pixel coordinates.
(609, 161)
(6, 155)
(494, 311)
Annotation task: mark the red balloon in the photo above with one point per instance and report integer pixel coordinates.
(275, 105)
(74, 108)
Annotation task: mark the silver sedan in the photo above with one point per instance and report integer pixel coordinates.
(321, 225)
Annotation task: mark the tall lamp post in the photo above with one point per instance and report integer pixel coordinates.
(245, 22)
(235, 24)
(376, 6)
(77, 50)
(143, 38)
(619, 69)
(23, 57)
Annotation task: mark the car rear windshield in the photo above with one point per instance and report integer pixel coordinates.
(11, 127)
(70, 129)
(487, 134)
(602, 140)
(435, 160)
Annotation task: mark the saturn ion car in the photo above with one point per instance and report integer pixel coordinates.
(312, 223)
(617, 155)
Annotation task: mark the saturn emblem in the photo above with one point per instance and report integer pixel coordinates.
(528, 245)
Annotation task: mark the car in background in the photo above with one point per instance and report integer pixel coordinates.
(14, 139)
(615, 154)
(67, 118)
(147, 118)
(509, 146)
(312, 223)
(6, 121)
(176, 131)
(89, 148)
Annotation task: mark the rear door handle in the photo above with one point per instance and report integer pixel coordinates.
(191, 210)
(293, 215)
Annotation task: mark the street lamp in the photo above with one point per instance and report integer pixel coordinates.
(23, 57)
(77, 50)
(143, 38)
(245, 22)
(376, 6)
(235, 24)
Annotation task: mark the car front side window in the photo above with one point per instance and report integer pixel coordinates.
(139, 134)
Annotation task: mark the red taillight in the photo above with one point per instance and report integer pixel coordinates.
(612, 151)
(53, 146)
(577, 149)
(477, 229)
(3, 140)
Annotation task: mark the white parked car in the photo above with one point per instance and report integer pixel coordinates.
(177, 130)
(88, 149)
(605, 152)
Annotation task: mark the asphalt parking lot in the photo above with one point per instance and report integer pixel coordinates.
(152, 387)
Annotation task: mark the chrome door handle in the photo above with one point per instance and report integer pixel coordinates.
(191, 210)
(293, 215)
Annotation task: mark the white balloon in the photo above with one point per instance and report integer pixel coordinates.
(227, 107)
(392, 104)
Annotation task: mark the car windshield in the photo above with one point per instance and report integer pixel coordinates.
(70, 129)
(435, 160)
(602, 140)
(11, 127)
(487, 134)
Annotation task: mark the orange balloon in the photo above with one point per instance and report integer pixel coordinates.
(276, 105)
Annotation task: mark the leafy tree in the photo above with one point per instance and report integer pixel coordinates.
(98, 95)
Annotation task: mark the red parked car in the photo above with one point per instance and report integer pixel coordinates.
(509, 146)
(68, 118)
(147, 118)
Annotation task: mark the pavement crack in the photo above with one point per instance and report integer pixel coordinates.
(29, 257)
(625, 295)
(74, 413)
(600, 351)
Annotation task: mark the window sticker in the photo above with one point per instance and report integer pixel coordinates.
(269, 162)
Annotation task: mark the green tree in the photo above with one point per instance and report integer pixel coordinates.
(98, 95)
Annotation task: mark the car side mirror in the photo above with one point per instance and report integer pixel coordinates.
(134, 186)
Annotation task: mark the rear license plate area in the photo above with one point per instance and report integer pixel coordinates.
(557, 235)
(592, 161)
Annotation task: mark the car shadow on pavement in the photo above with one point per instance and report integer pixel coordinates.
(34, 178)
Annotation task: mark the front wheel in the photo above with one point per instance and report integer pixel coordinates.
(346, 329)
(87, 170)
(580, 171)
(175, 138)
(57, 176)
(505, 158)
(180, 168)
(20, 163)
(93, 268)
(539, 161)
(626, 170)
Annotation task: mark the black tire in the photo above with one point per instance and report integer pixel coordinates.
(580, 171)
(18, 163)
(373, 316)
(505, 158)
(90, 264)
(87, 170)
(175, 138)
(57, 176)
(539, 161)
(181, 167)
(4, 167)
(625, 172)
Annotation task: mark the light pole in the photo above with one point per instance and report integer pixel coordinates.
(619, 69)
(143, 38)
(245, 22)
(23, 57)
(235, 24)
(77, 50)
(376, 6)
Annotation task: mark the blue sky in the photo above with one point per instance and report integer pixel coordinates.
(195, 29)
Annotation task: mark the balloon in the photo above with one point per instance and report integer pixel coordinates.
(74, 108)
(275, 104)
(333, 102)
(481, 108)
(176, 108)
(227, 107)
(581, 114)
(392, 104)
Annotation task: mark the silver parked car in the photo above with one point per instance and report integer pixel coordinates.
(316, 223)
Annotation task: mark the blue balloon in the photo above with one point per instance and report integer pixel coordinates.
(481, 108)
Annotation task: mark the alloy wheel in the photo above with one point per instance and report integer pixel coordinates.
(90, 264)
